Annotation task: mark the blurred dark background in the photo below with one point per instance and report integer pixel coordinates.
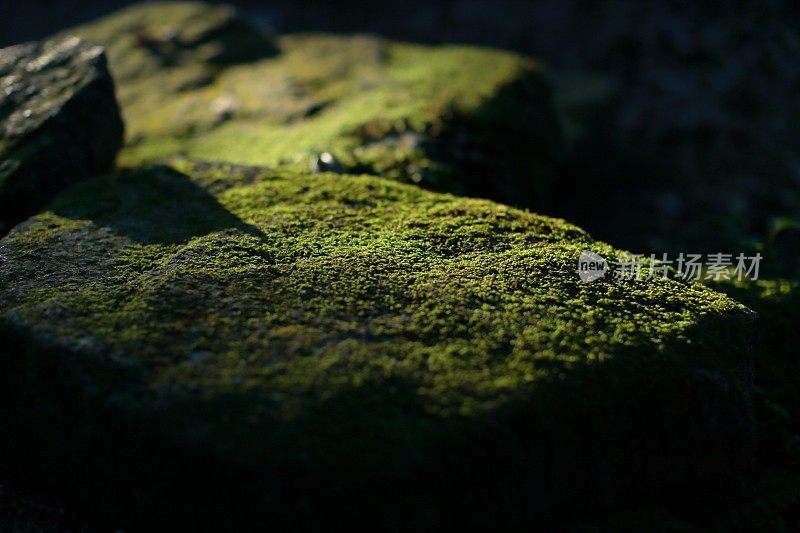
(680, 118)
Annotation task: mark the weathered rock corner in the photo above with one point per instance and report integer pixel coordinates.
(59, 122)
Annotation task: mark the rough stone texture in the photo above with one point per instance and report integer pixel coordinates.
(237, 342)
(59, 122)
(446, 117)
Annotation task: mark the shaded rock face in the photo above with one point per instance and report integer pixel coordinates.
(59, 122)
(240, 344)
(444, 117)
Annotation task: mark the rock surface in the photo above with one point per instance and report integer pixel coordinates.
(315, 347)
(446, 117)
(59, 122)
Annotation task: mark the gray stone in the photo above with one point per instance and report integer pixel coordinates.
(59, 122)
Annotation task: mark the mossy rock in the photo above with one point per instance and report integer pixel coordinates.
(59, 122)
(226, 343)
(456, 118)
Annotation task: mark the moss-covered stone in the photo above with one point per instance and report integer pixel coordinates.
(445, 116)
(59, 122)
(349, 346)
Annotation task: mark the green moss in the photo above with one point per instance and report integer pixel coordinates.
(369, 327)
(470, 110)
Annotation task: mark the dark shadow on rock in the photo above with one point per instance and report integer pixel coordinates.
(638, 428)
(150, 205)
(505, 150)
(232, 41)
(517, 140)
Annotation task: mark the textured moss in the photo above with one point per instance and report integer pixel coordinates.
(355, 328)
(442, 116)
